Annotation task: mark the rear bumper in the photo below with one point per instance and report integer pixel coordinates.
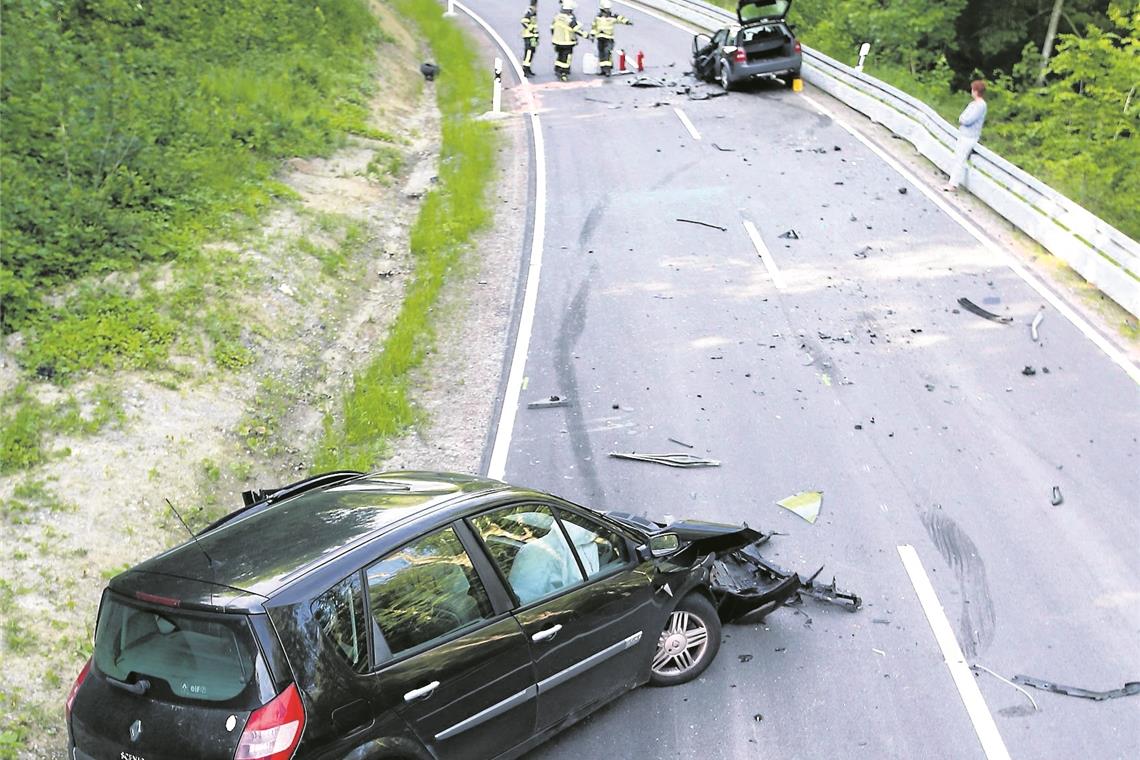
(767, 67)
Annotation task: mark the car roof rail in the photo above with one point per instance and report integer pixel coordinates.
(265, 497)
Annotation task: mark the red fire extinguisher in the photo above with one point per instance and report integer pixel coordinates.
(641, 60)
(621, 60)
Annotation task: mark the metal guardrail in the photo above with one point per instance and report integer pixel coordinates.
(1096, 250)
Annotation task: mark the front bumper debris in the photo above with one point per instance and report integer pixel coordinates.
(744, 584)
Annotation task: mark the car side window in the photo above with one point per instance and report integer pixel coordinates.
(598, 548)
(529, 548)
(340, 614)
(422, 592)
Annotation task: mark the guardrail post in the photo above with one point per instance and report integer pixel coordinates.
(497, 88)
(863, 50)
(450, 9)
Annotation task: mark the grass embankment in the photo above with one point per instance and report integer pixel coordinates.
(134, 134)
(378, 405)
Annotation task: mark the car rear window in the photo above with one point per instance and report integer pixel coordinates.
(183, 655)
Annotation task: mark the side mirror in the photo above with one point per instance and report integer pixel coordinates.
(664, 544)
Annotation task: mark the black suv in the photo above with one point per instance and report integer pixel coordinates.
(404, 615)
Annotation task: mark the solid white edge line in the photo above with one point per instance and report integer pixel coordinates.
(497, 465)
(688, 124)
(765, 254)
(980, 717)
(990, 245)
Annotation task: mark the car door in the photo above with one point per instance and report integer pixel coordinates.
(583, 603)
(457, 669)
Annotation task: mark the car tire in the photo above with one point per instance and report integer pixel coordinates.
(688, 643)
(724, 76)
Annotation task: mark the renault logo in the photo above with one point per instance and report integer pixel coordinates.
(136, 730)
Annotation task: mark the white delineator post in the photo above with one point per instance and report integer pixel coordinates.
(497, 89)
(450, 9)
(863, 50)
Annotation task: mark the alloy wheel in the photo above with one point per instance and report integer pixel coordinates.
(682, 644)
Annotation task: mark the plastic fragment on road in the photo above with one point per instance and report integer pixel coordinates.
(973, 308)
(650, 82)
(724, 150)
(1033, 327)
(1129, 689)
(681, 443)
(790, 235)
(669, 460)
(806, 504)
(548, 403)
(703, 224)
(1028, 371)
(1057, 498)
(984, 669)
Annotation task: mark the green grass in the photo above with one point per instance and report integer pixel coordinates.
(26, 422)
(378, 406)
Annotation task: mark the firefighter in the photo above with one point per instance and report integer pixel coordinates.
(564, 33)
(530, 36)
(603, 32)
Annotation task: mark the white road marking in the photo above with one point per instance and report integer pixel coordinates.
(984, 726)
(989, 244)
(497, 465)
(765, 254)
(688, 124)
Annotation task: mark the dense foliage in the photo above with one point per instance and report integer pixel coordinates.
(132, 129)
(1075, 127)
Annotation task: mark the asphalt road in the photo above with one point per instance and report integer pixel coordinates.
(862, 378)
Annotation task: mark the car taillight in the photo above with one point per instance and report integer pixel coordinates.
(741, 56)
(799, 47)
(274, 729)
(79, 679)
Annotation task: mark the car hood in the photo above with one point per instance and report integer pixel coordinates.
(759, 11)
(705, 536)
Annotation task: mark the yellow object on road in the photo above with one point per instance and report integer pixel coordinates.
(797, 85)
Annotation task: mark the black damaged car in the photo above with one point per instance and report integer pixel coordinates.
(762, 46)
(405, 615)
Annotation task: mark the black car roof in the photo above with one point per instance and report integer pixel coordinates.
(254, 555)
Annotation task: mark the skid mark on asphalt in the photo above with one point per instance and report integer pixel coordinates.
(573, 325)
(592, 220)
(978, 620)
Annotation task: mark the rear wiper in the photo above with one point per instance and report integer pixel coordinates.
(139, 687)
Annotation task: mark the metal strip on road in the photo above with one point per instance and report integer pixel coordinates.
(765, 255)
(980, 717)
(497, 465)
(688, 124)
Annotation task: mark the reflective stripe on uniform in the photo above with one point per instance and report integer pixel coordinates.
(565, 30)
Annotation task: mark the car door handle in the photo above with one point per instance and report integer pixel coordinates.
(546, 634)
(422, 692)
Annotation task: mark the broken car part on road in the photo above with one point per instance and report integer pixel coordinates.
(549, 402)
(806, 504)
(1037, 318)
(1129, 689)
(973, 308)
(669, 460)
(703, 224)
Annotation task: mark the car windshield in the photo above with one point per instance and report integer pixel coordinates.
(749, 10)
(184, 656)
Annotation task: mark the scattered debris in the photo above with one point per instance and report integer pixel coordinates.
(806, 504)
(1033, 327)
(681, 443)
(902, 191)
(1028, 696)
(724, 150)
(930, 387)
(669, 460)
(757, 717)
(879, 652)
(973, 308)
(1057, 498)
(650, 82)
(548, 403)
(704, 94)
(1028, 371)
(429, 70)
(703, 224)
(597, 100)
(1129, 689)
(862, 252)
(790, 235)
(744, 657)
